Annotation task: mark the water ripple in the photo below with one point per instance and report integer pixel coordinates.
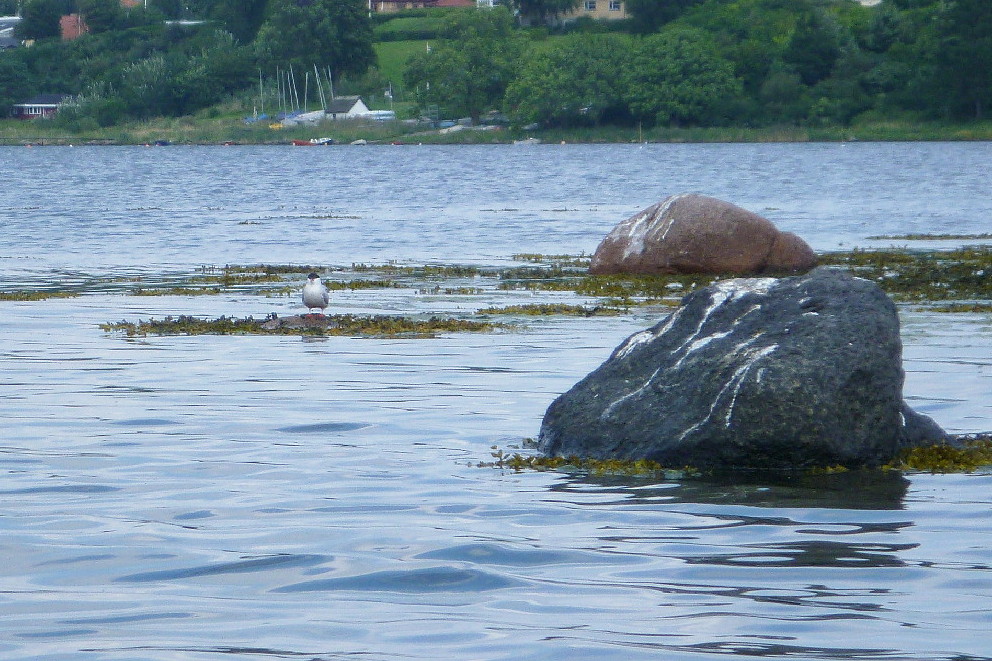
(237, 567)
(420, 581)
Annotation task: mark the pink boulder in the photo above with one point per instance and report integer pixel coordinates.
(691, 233)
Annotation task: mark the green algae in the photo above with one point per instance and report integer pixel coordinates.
(333, 325)
(554, 260)
(425, 271)
(919, 276)
(930, 237)
(35, 295)
(967, 457)
(630, 467)
(550, 309)
(178, 291)
(959, 308)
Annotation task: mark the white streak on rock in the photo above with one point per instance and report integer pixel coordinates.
(724, 292)
(734, 382)
(663, 211)
(740, 286)
(741, 373)
(634, 341)
(698, 344)
(609, 409)
(646, 336)
(635, 235)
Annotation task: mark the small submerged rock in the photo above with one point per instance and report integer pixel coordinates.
(785, 373)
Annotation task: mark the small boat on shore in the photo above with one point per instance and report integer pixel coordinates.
(313, 142)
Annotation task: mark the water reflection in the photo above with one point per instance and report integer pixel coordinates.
(859, 489)
(816, 553)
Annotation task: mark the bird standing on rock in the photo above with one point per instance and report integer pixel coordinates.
(315, 293)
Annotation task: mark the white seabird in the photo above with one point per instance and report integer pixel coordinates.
(315, 293)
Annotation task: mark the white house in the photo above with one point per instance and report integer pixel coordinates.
(347, 107)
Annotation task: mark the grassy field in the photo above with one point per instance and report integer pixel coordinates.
(393, 56)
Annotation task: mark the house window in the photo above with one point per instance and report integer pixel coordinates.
(615, 5)
(590, 5)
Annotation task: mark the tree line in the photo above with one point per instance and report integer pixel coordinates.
(672, 63)
(721, 62)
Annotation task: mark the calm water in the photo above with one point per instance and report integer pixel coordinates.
(268, 498)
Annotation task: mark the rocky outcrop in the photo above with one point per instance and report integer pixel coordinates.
(691, 233)
(759, 373)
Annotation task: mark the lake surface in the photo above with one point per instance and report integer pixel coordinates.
(260, 498)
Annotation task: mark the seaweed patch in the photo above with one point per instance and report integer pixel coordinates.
(336, 325)
(974, 453)
(633, 467)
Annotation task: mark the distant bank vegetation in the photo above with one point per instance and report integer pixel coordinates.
(677, 65)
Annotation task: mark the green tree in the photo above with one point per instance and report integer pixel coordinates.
(171, 9)
(333, 33)
(649, 15)
(963, 58)
(677, 78)
(40, 18)
(147, 86)
(100, 15)
(15, 85)
(752, 34)
(577, 81)
(814, 46)
(468, 72)
(544, 12)
(222, 66)
(242, 18)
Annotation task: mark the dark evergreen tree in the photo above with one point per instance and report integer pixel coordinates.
(100, 15)
(242, 18)
(40, 18)
(171, 9)
(814, 47)
(649, 15)
(963, 58)
(15, 85)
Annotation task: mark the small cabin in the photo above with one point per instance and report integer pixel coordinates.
(42, 106)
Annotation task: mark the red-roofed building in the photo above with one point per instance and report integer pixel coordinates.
(72, 26)
(390, 6)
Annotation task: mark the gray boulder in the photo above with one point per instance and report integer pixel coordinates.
(759, 373)
(691, 233)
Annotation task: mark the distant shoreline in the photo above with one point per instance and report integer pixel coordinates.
(233, 131)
